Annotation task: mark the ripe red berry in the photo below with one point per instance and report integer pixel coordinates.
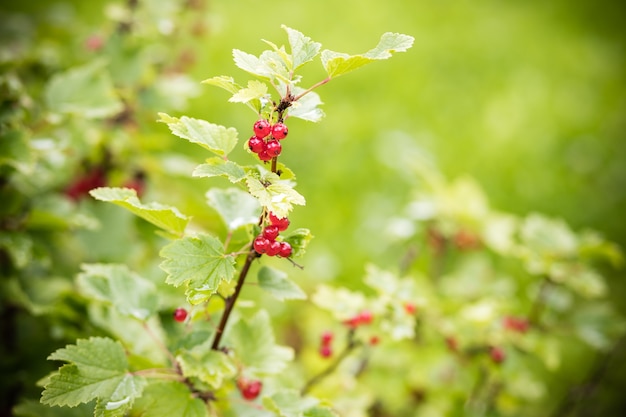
(249, 389)
(279, 131)
(180, 314)
(264, 156)
(374, 340)
(273, 147)
(326, 351)
(256, 144)
(327, 337)
(270, 232)
(517, 324)
(261, 244)
(282, 224)
(366, 317)
(285, 250)
(497, 354)
(274, 248)
(262, 128)
(409, 308)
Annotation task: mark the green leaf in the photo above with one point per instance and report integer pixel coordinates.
(320, 412)
(225, 82)
(32, 408)
(199, 263)
(168, 399)
(251, 64)
(254, 344)
(253, 94)
(215, 138)
(303, 49)
(86, 91)
(218, 167)
(289, 403)
(210, 366)
(307, 107)
(276, 195)
(166, 217)
(278, 285)
(131, 294)
(235, 206)
(299, 240)
(337, 64)
(97, 368)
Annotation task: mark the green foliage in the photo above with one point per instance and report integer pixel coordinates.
(277, 284)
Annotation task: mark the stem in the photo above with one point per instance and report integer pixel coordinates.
(230, 301)
(313, 87)
(352, 344)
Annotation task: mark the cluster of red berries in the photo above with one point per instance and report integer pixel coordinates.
(364, 317)
(265, 142)
(326, 340)
(516, 324)
(266, 242)
(249, 389)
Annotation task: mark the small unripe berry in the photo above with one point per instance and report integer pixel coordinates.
(327, 337)
(285, 250)
(249, 389)
(262, 128)
(282, 224)
(270, 232)
(326, 351)
(261, 244)
(274, 248)
(180, 314)
(273, 147)
(279, 131)
(256, 144)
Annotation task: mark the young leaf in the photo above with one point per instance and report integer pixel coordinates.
(298, 239)
(168, 399)
(86, 91)
(218, 167)
(337, 64)
(253, 94)
(254, 344)
(215, 138)
(97, 368)
(199, 263)
(235, 206)
(289, 403)
(165, 217)
(303, 49)
(307, 107)
(229, 84)
(276, 195)
(278, 285)
(210, 366)
(251, 64)
(131, 294)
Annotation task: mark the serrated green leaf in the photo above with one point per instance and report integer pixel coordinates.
(86, 91)
(210, 366)
(166, 217)
(252, 94)
(131, 294)
(199, 263)
(251, 64)
(278, 285)
(303, 49)
(254, 344)
(337, 64)
(289, 403)
(299, 240)
(97, 368)
(168, 399)
(276, 195)
(225, 82)
(236, 207)
(320, 412)
(215, 138)
(218, 167)
(307, 107)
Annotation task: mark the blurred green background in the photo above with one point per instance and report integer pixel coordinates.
(528, 97)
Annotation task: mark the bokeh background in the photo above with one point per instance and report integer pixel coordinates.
(527, 97)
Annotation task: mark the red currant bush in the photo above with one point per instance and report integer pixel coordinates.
(262, 128)
(279, 131)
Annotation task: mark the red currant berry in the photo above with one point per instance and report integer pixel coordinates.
(273, 147)
(256, 144)
(261, 244)
(366, 317)
(274, 248)
(282, 224)
(497, 354)
(517, 324)
(327, 337)
(374, 340)
(409, 308)
(326, 351)
(285, 250)
(270, 232)
(249, 389)
(279, 131)
(352, 322)
(262, 128)
(180, 314)
(264, 156)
